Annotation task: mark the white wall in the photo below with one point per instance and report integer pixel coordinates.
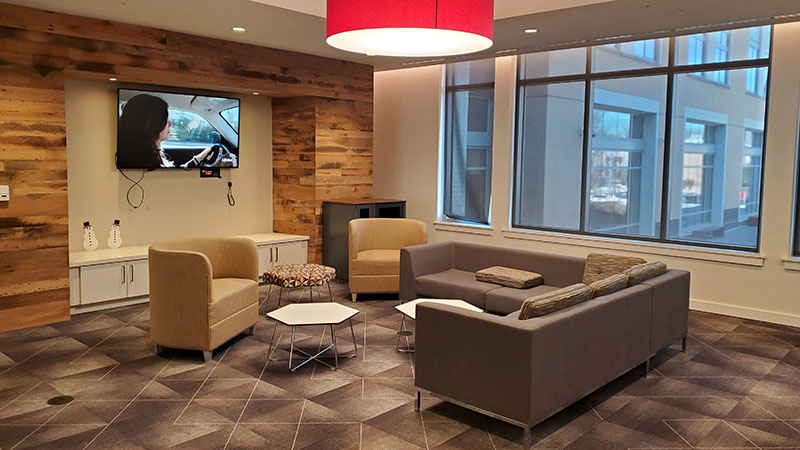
(177, 203)
(407, 155)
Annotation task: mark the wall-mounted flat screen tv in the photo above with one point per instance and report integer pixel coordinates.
(169, 130)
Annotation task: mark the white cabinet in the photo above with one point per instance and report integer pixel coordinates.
(113, 281)
(286, 253)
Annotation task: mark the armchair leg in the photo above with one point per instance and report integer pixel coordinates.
(354, 296)
(647, 367)
(207, 356)
(683, 344)
(417, 402)
(159, 349)
(251, 331)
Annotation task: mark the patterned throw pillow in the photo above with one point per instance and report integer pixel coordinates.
(554, 301)
(506, 276)
(637, 274)
(601, 265)
(609, 285)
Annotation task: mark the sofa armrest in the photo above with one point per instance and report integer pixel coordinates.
(670, 308)
(180, 294)
(475, 358)
(419, 260)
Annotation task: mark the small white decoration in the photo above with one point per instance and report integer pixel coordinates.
(114, 236)
(89, 239)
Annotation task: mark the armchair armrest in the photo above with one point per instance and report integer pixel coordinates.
(180, 293)
(419, 260)
(475, 358)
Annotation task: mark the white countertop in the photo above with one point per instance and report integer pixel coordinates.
(135, 252)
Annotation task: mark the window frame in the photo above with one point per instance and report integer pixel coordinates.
(671, 70)
(449, 91)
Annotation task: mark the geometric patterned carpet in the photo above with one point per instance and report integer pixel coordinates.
(737, 386)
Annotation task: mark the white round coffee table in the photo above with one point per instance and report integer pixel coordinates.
(409, 309)
(308, 314)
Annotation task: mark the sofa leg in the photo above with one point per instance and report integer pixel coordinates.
(250, 331)
(526, 439)
(159, 349)
(354, 296)
(647, 367)
(417, 402)
(683, 344)
(207, 356)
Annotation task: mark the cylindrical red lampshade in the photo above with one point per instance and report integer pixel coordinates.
(410, 27)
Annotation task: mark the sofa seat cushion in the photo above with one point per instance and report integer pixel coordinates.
(230, 295)
(507, 300)
(454, 283)
(609, 285)
(642, 272)
(509, 277)
(554, 301)
(601, 265)
(376, 262)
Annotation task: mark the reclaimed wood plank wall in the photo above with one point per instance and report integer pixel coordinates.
(321, 150)
(39, 49)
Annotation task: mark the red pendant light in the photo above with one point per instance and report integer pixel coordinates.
(411, 27)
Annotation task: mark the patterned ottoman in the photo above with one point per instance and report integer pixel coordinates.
(300, 276)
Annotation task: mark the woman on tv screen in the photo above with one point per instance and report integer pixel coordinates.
(143, 126)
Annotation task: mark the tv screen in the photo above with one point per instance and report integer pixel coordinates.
(168, 130)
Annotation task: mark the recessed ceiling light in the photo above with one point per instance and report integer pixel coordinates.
(255, 93)
(238, 29)
(112, 79)
(531, 30)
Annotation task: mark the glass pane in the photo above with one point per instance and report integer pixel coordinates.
(627, 147)
(630, 55)
(549, 156)
(553, 64)
(721, 46)
(470, 72)
(716, 161)
(188, 126)
(468, 153)
(231, 115)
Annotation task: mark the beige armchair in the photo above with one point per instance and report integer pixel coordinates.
(374, 249)
(203, 292)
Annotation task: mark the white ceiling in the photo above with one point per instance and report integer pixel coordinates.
(298, 25)
(502, 8)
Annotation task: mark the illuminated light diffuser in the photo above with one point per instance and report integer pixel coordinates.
(410, 27)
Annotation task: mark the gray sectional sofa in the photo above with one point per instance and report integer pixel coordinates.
(524, 371)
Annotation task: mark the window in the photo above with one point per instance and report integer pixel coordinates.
(469, 113)
(796, 240)
(757, 77)
(669, 157)
(231, 115)
(188, 126)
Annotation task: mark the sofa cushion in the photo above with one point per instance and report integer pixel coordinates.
(637, 274)
(230, 295)
(505, 300)
(608, 285)
(509, 277)
(376, 262)
(554, 301)
(454, 283)
(601, 265)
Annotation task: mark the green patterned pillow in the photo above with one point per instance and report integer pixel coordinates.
(554, 301)
(506, 276)
(637, 274)
(609, 285)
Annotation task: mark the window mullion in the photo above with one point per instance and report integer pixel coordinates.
(668, 122)
(587, 138)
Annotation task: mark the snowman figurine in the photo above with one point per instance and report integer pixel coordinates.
(89, 239)
(114, 237)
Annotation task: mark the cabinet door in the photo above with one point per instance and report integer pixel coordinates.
(291, 253)
(104, 282)
(138, 278)
(74, 286)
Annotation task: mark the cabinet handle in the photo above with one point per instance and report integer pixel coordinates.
(123, 273)
(276, 254)
(270, 254)
(131, 266)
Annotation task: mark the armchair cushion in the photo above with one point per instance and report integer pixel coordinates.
(377, 262)
(230, 295)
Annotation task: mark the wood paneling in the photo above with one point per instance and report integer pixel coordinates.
(322, 150)
(322, 139)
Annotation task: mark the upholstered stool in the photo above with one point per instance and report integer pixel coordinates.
(299, 276)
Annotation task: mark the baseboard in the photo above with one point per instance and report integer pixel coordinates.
(745, 313)
(80, 309)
